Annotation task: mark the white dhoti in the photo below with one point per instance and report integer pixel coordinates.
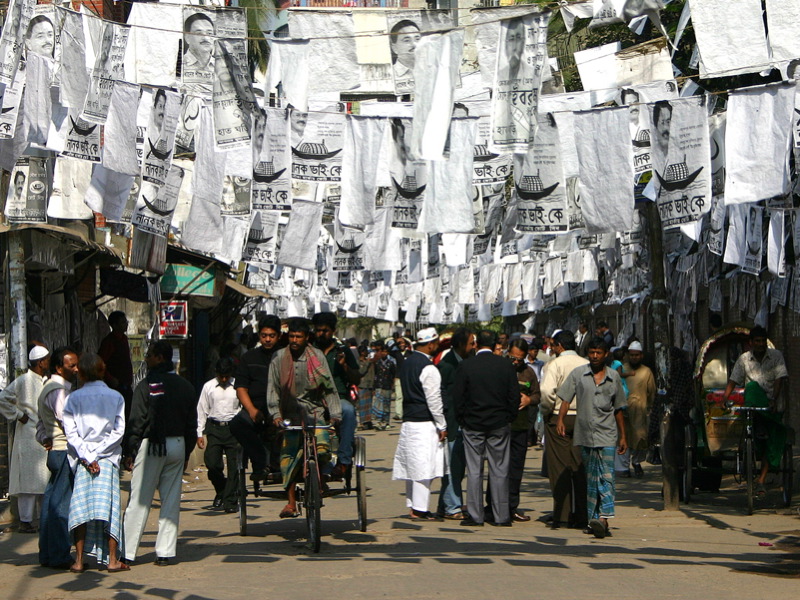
(420, 458)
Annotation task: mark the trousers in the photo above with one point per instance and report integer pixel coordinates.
(566, 473)
(516, 468)
(347, 433)
(255, 439)
(150, 473)
(495, 446)
(220, 441)
(418, 494)
(55, 541)
(451, 498)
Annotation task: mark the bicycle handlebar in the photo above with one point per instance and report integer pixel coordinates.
(750, 408)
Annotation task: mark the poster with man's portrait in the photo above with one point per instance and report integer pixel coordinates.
(28, 191)
(518, 74)
(107, 69)
(43, 34)
(405, 30)
(753, 256)
(197, 50)
(160, 142)
(235, 196)
(409, 178)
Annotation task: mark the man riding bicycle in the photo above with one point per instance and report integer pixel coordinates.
(300, 382)
(762, 372)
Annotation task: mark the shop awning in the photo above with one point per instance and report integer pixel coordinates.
(244, 290)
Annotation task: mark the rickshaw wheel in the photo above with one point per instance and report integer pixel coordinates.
(787, 474)
(748, 474)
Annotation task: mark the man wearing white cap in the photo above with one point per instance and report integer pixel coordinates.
(28, 472)
(641, 394)
(420, 450)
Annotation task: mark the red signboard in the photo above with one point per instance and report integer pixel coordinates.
(174, 319)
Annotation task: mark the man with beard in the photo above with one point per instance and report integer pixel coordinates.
(599, 427)
(641, 395)
(251, 424)
(54, 538)
(344, 369)
(300, 382)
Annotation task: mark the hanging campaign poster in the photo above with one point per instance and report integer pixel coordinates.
(539, 188)
(17, 20)
(29, 189)
(83, 139)
(160, 142)
(521, 55)
(317, 140)
(348, 248)
(271, 187)
(11, 99)
(235, 196)
(156, 204)
(233, 100)
(260, 250)
(684, 178)
(409, 178)
(488, 166)
(107, 69)
(716, 227)
(753, 257)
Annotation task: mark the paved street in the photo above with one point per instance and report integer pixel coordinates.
(710, 549)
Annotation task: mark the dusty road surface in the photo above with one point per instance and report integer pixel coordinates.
(710, 549)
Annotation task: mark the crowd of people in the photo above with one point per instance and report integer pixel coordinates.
(464, 400)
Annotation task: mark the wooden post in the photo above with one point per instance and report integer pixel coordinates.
(659, 322)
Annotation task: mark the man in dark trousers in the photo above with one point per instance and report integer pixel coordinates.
(486, 397)
(251, 425)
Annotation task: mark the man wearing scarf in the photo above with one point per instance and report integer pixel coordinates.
(160, 438)
(300, 382)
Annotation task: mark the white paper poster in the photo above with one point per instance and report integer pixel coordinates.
(15, 28)
(233, 100)
(716, 227)
(488, 166)
(83, 139)
(539, 189)
(160, 141)
(260, 250)
(684, 180)
(271, 187)
(107, 70)
(518, 75)
(11, 99)
(317, 140)
(156, 204)
(753, 240)
(29, 189)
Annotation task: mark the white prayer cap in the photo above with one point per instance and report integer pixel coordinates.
(635, 347)
(556, 332)
(427, 335)
(37, 353)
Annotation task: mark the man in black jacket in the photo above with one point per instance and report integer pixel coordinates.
(160, 438)
(486, 397)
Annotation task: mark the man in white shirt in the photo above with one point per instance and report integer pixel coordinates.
(94, 423)
(419, 458)
(55, 541)
(19, 404)
(217, 406)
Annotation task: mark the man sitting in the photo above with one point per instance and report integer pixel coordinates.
(300, 381)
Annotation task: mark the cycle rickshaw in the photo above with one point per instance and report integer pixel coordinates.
(720, 439)
(311, 491)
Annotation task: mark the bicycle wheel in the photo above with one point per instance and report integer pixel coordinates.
(313, 502)
(242, 501)
(687, 487)
(787, 474)
(748, 473)
(361, 493)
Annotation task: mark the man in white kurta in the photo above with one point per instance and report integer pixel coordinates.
(19, 404)
(421, 448)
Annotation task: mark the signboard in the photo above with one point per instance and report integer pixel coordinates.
(188, 280)
(173, 319)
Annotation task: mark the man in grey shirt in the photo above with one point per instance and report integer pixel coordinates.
(599, 425)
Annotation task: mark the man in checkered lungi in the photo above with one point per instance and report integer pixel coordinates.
(599, 427)
(94, 422)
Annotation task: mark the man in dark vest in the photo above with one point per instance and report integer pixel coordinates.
(421, 448)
